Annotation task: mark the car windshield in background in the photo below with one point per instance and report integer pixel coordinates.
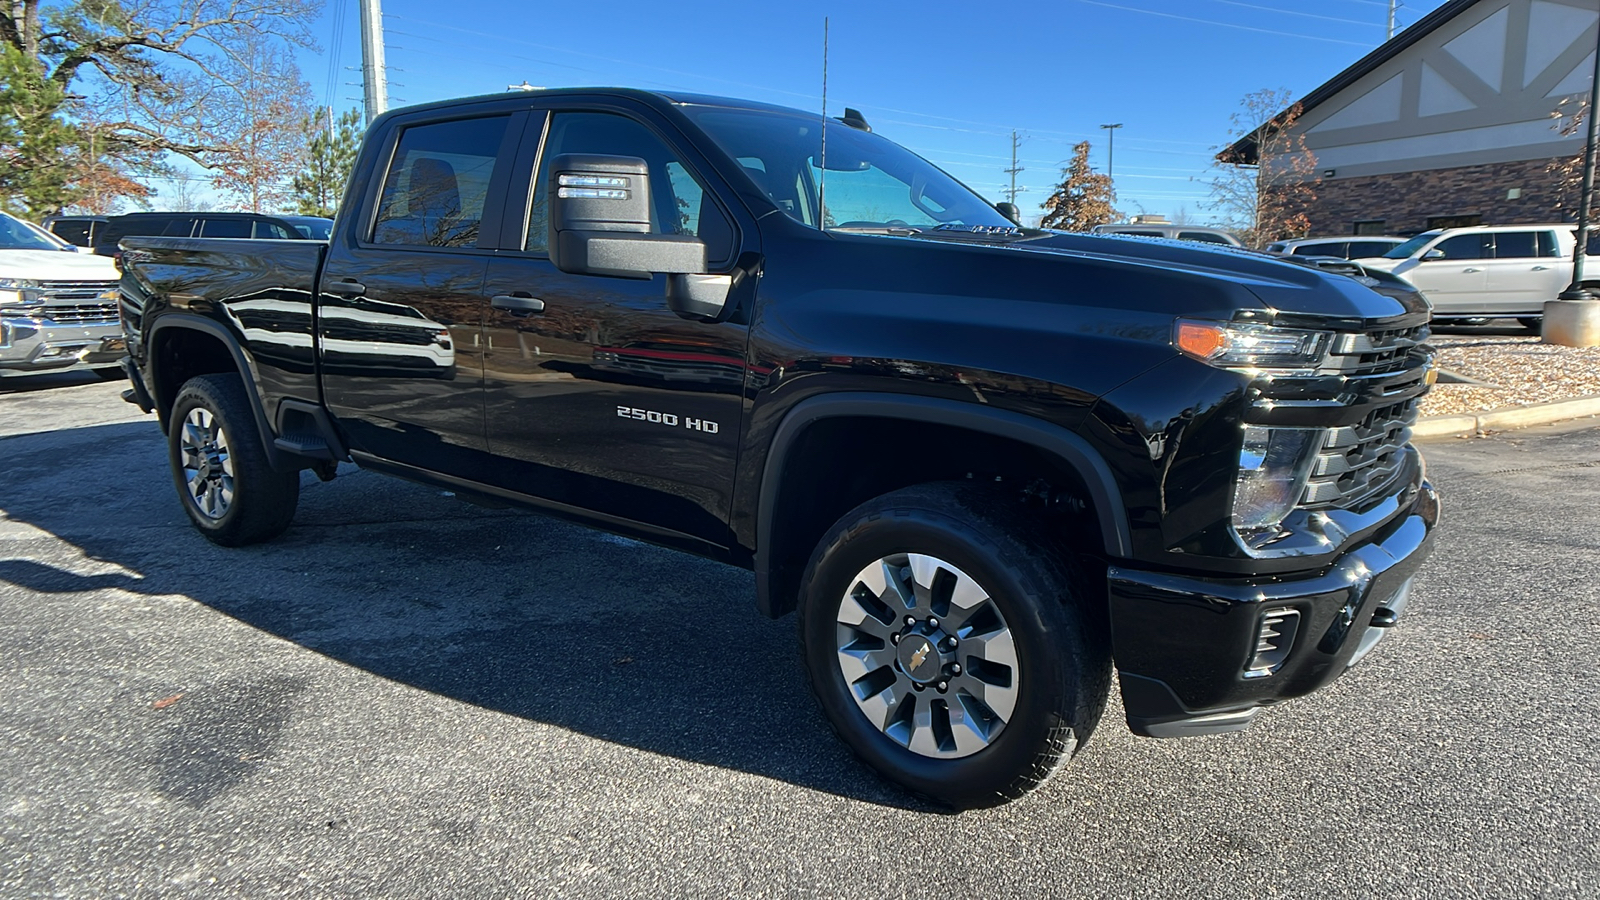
(1405, 250)
(18, 235)
(311, 227)
(871, 184)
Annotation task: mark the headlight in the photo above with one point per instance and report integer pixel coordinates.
(13, 291)
(1240, 345)
(1274, 464)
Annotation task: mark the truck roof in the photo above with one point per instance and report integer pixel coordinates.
(676, 98)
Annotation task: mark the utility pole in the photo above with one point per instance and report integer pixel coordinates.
(1393, 5)
(1111, 146)
(1016, 168)
(373, 76)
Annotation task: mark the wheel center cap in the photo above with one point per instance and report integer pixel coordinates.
(920, 658)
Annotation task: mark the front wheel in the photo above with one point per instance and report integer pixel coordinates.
(1532, 323)
(227, 487)
(950, 645)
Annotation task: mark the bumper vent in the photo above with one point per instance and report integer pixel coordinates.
(1274, 640)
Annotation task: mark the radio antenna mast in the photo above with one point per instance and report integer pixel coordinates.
(822, 176)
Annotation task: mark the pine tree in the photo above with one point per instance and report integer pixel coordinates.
(37, 148)
(1083, 199)
(329, 158)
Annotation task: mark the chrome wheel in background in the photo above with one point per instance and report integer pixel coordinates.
(927, 656)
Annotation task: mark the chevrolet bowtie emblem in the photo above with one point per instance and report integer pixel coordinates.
(920, 655)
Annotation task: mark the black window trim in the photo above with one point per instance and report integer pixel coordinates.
(494, 202)
(688, 155)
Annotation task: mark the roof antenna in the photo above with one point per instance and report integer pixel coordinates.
(822, 177)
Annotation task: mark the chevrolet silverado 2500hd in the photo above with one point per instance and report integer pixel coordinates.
(984, 463)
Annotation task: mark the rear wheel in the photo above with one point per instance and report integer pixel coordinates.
(1532, 323)
(949, 643)
(227, 487)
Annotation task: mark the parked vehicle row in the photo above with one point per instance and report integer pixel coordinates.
(102, 233)
(986, 464)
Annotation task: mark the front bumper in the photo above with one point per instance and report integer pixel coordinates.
(1187, 649)
(29, 346)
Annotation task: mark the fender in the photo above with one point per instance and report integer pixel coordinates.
(279, 460)
(1067, 446)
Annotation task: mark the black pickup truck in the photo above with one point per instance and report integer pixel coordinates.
(985, 463)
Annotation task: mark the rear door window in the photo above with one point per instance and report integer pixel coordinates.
(272, 231)
(225, 228)
(1205, 237)
(1516, 245)
(1365, 249)
(438, 184)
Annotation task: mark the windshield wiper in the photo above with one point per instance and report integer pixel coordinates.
(876, 229)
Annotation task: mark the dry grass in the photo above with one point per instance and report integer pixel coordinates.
(1519, 370)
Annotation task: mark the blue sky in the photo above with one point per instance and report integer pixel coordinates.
(949, 80)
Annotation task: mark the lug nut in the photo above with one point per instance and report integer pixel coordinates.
(944, 686)
(955, 669)
(932, 622)
(918, 685)
(911, 620)
(950, 643)
(894, 638)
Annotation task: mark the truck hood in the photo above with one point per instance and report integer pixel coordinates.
(56, 265)
(1282, 288)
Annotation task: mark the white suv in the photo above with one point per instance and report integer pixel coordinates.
(1485, 271)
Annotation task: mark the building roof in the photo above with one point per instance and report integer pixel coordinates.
(1243, 151)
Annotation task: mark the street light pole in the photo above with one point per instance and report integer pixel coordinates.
(1111, 147)
(1575, 290)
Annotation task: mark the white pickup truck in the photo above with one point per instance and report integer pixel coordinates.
(1486, 271)
(58, 307)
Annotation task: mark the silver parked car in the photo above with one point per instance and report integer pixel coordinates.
(1350, 247)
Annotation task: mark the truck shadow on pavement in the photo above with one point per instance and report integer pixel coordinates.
(509, 611)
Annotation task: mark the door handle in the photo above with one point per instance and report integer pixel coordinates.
(1540, 268)
(518, 303)
(346, 288)
(1471, 270)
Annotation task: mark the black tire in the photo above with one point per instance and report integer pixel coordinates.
(262, 499)
(1060, 640)
(1532, 323)
(110, 373)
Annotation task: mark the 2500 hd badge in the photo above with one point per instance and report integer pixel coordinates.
(661, 418)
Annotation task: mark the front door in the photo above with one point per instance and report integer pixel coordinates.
(1455, 280)
(606, 400)
(401, 304)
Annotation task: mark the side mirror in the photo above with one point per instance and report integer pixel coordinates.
(1010, 211)
(1433, 254)
(600, 221)
(599, 224)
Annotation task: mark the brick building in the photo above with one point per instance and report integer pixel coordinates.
(1451, 121)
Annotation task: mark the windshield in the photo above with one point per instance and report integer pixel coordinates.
(1405, 250)
(872, 183)
(16, 234)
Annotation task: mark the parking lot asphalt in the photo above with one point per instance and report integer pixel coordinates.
(407, 696)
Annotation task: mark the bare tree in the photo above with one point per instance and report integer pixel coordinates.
(263, 125)
(1266, 181)
(141, 78)
(1571, 117)
(1083, 199)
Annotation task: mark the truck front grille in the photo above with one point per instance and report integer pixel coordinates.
(80, 313)
(1358, 462)
(68, 291)
(1375, 352)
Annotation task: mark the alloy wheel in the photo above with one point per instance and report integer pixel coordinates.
(927, 656)
(207, 464)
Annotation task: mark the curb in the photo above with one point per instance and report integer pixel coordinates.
(1507, 418)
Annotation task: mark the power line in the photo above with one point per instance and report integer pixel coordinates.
(1164, 15)
(1295, 12)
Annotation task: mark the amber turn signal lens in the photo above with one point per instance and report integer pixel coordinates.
(1202, 340)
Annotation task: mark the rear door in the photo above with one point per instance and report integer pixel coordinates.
(606, 400)
(1525, 272)
(401, 305)
(1452, 273)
